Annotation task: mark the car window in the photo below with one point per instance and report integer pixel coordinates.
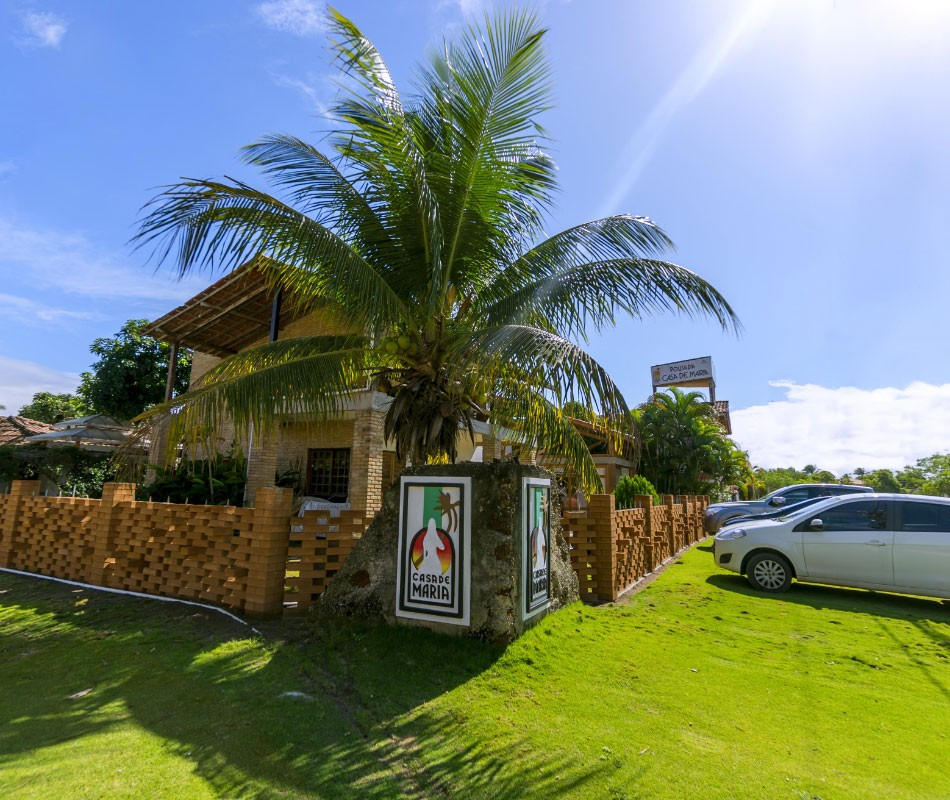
(863, 515)
(796, 495)
(925, 517)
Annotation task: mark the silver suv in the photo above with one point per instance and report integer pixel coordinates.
(718, 514)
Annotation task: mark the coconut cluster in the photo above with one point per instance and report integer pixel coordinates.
(400, 345)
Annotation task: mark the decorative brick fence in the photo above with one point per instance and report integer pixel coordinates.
(612, 549)
(263, 561)
(319, 544)
(232, 557)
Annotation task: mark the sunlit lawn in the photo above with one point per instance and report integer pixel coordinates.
(695, 688)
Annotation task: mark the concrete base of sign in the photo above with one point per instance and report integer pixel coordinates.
(365, 586)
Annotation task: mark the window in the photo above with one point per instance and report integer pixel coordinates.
(864, 515)
(925, 517)
(328, 474)
(796, 495)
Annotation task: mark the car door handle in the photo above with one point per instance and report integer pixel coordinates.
(877, 543)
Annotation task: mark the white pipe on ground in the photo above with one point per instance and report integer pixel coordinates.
(140, 595)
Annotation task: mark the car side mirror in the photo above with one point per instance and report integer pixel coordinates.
(777, 501)
(816, 524)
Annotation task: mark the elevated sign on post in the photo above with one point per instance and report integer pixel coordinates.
(694, 372)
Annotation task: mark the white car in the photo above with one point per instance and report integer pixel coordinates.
(891, 542)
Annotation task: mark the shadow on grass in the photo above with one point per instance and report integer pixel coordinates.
(929, 616)
(325, 710)
(839, 598)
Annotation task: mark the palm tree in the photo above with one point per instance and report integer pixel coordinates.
(683, 449)
(423, 222)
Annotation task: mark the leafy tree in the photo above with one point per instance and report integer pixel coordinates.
(49, 407)
(72, 470)
(777, 477)
(422, 223)
(881, 480)
(683, 449)
(130, 373)
(629, 486)
(930, 475)
(935, 471)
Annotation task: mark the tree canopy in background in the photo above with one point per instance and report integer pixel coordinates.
(49, 407)
(683, 448)
(130, 373)
(929, 475)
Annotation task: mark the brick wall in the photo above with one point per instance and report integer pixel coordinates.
(612, 549)
(233, 557)
(285, 447)
(319, 544)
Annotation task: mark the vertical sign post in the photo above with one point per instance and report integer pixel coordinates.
(535, 545)
(433, 576)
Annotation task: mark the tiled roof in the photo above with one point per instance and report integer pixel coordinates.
(721, 407)
(13, 430)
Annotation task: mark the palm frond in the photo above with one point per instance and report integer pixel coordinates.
(481, 96)
(557, 366)
(317, 187)
(573, 297)
(312, 376)
(380, 145)
(617, 236)
(223, 225)
(543, 426)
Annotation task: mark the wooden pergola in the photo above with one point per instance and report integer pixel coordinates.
(239, 309)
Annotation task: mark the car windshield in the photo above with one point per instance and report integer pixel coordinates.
(794, 507)
(800, 508)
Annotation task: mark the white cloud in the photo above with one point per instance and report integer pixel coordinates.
(306, 87)
(28, 312)
(845, 428)
(301, 17)
(68, 262)
(20, 380)
(7, 168)
(42, 29)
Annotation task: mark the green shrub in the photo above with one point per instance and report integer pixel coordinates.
(72, 470)
(220, 482)
(629, 486)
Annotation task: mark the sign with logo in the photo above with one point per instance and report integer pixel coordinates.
(433, 568)
(695, 372)
(536, 545)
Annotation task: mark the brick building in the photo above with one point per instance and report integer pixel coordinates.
(343, 462)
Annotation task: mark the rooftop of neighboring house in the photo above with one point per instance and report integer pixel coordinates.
(16, 430)
(721, 407)
(95, 431)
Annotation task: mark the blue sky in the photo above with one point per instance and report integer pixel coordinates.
(795, 152)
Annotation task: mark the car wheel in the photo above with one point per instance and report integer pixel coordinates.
(769, 572)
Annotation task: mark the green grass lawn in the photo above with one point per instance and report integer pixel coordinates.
(696, 688)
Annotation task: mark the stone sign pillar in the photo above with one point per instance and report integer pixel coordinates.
(467, 548)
